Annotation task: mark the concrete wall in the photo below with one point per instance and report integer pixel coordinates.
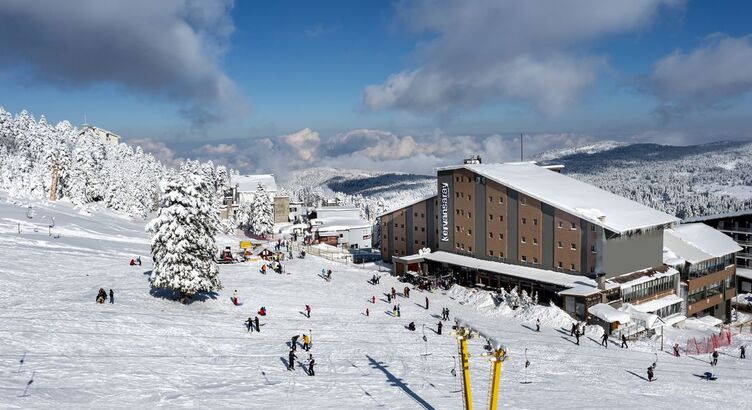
(530, 231)
(496, 220)
(626, 254)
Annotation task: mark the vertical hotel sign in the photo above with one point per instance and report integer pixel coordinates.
(444, 212)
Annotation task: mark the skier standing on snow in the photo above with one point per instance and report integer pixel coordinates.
(258, 329)
(398, 310)
(112, 297)
(715, 358)
(311, 362)
(676, 349)
(411, 326)
(624, 341)
(426, 302)
(389, 297)
(367, 313)
(394, 310)
(394, 293)
(439, 326)
(604, 340)
(577, 336)
(743, 355)
(650, 373)
(308, 311)
(373, 299)
(235, 297)
(291, 360)
(249, 325)
(537, 325)
(306, 342)
(574, 327)
(294, 342)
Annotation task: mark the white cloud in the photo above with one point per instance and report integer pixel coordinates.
(219, 149)
(304, 143)
(714, 73)
(505, 50)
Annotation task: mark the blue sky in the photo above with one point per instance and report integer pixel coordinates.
(252, 70)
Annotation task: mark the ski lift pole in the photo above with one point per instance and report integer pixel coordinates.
(497, 360)
(462, 335)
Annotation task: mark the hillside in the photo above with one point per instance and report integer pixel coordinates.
(145, 351)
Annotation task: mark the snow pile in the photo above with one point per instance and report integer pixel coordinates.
(502, 305)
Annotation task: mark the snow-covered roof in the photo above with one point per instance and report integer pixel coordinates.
(698, 242)
(411, 203)
(337, 209)
(646, 275)
(609, 314)
(523, 272)
(636, 314)
(671, 259)
(744, 273)
(341, 224)
(582, 290)
(659, 303)
(250, 183)
(583, 200)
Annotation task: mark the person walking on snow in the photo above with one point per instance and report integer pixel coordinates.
(577, 336)
(249, 325)
(715, 358)
(394, 293)
(294, 342)
(367, 313)
(742, 355)
(574, 327)
(373, 299)
(604, 340)
(398, 310)
(439, 326)
(426, 302)
(291, 360)
(537, 325)
(676, 349)
(308, 311)
(311, 362)
(624, 342)
(650, 373)
(306, 342)
(389, 298)
(258, 329)
(112, 297)
(235, 297)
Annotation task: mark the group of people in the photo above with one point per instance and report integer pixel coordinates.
(102, 296)
(250, 324)
(292, 356)
(135, 262)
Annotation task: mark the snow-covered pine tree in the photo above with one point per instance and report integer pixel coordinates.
(262, 222)
(182, 244)
(244, 216)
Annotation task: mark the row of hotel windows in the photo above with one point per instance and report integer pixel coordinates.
(645, 289)
(462, 195)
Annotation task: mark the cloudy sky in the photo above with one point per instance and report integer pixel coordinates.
(392, 85)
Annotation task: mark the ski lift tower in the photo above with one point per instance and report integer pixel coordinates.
(462, 334)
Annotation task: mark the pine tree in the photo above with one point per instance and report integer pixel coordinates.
(262, 222)
(244, 216)
(183, 246)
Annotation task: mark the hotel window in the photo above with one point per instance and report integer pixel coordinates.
(416, 229)
(592, 227)
(574, 225)
(522, 239)
(501, 218)
(535, 221)
(523, 201)
(458, 245)
(396, 238)
(422, 229)
(457, 211)
(561, 224)
(458, 228)
(469, 214)
(402, 239)
(592, 269)
(490, 235)
(402, 225)
(457, 179)
(501, 199)
(535, 261)
(558, 244)
(490, 253)
(490, 199)
(462, 194)
(571, 267)
(396, 225)
(422, 242)
(535, 241)
(457, 194)
(462, 211)
(501, 254)
(560, 265)
(573, 247)
(524, 258)
(416, 241)
(462, 246)
(592, 249)
(490, 217)
(422, 215)
(469, 197)
(469, 248)
(501, 236)
(524, 221)
(469, 231)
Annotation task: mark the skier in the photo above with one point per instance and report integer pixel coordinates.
(715, 358)
(306, 342)
(676, 349)
(262, 311)
(650, 373)
(447, 314)
(439, 326)
(577, 336)
(411, 326)
(394, 293)
(742, 349)
(574, 327)
(101, 296)
(537, 325)
(249, 325)
(138, 260)
(367, 313)
(294, 342)
(398, 310)
(604, 340)
(291, 360)
(389, 297)
(263, 269)
(235, 297)
(406, 292)
(329, 274)
(394, 310)
(308, 311)
(624, 341)
(373, 299)
(311, 362)
(132, 262)
(426, 302)
(112, 297)
(256, 320)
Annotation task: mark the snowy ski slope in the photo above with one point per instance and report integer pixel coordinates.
(146, 352)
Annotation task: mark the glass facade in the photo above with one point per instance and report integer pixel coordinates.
(645, 289)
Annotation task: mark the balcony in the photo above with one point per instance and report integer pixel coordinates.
(744, 255)
(735, 229)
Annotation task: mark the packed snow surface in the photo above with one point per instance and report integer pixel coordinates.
(146, 351)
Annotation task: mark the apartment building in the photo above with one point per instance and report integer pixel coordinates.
(705, 259)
